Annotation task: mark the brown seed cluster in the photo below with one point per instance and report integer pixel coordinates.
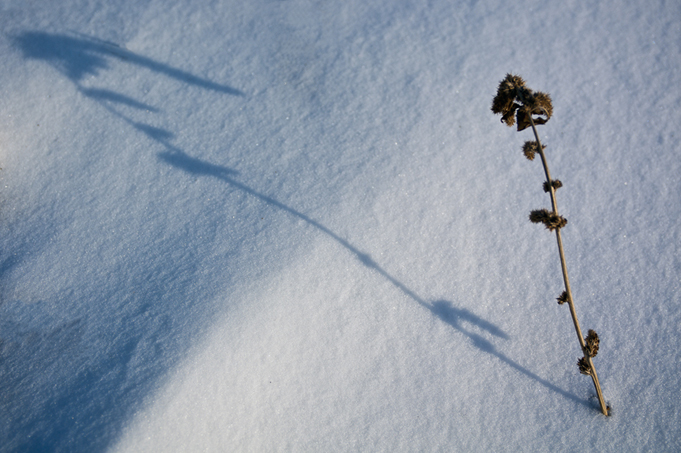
(584, 367)
(591, 349)
(531, 148)
(516, 102)
(504, 102)
(592, 343)
(556, 184)
(551, 220)
(562, 298)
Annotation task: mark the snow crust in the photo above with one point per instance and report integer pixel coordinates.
(297, 226)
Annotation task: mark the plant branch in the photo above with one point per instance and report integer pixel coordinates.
(566, 279)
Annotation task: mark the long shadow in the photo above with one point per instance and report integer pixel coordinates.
(58, 397)
(444, 310)
(68, 384)
(77, 57)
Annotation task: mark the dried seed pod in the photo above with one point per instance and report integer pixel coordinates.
(556, 184)
(584, 367)
(515, 101)
(531, 148)
(510, 90)
(562, 298)
(592, 343)
(538, 216)
(504, 102)
(551, 220)
(541, 105)
(537, 107)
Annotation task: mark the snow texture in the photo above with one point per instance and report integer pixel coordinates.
(297, 226)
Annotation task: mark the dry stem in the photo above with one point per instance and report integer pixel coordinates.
(566, 279)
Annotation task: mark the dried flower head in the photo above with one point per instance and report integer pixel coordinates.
(556, 184)
(504, 102)
(592, 343)
(562, 298)
(516, 102)
(530, 149)
(584, 367)
(551, 220)
(541, 104)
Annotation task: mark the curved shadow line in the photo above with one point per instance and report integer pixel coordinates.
(442, 309)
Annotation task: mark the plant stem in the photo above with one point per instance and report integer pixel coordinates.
(566, 279)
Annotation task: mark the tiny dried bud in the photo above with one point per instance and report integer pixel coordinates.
(539, 215)
(584, 367)
(531, 148)
(551, 220)
(592, 343)
(562, 298)
(556, 184)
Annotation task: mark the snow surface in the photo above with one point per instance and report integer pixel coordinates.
(297, 226)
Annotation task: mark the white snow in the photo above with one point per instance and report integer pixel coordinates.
(297, 226)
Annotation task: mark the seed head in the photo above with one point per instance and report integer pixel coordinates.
(541, 104)
(562, 298)
(551, 220)
(584, 367)
(530, 149)
(504, 102)
(592, 343)
(556, 184)
(516, 102)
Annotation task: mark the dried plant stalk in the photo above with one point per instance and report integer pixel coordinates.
(518, 104)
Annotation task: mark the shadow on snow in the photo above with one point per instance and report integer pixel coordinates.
(458, 318)
(79, 56)
(64, 384)
(61, 394)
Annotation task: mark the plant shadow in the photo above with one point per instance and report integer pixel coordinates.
(79, 56)
(456, 317)
(48, 391)
(66, 383)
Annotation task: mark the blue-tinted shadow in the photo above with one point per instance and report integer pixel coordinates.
(79, 56)
(70, 381)
(59, 393)
(460, 319)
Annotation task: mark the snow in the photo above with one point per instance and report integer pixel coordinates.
(297, 226)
